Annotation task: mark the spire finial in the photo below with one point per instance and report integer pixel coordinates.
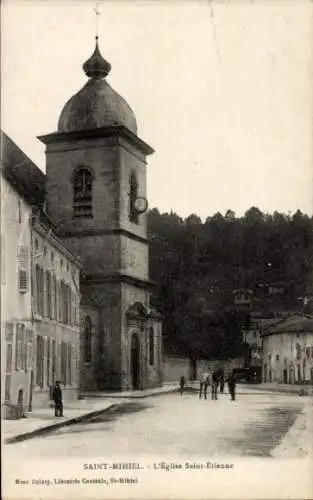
(97, 66)
(98, 13)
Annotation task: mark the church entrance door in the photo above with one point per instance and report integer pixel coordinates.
(135, 361)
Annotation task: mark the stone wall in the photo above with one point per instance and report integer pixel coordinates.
(175, 367)
(87, 380)
(131, 161)
(63, 158)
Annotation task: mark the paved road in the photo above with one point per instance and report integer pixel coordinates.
(166, 425)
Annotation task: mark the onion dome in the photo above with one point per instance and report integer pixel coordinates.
(96, 105)
(97, 66)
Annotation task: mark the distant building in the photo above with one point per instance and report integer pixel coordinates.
(288, 350)
(243, 298)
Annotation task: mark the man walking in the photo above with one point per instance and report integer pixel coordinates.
(215, 379)
(222, 382)
(182, 384)
(57, 398)
(204, 382)
(232, 386)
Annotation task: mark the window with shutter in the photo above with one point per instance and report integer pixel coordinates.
(39, 360)
(7, 388)
(9, 358)
(18, 346)
(23, 264)
(48, 294)
(63, 362)
(53, 356)
(55, 298)
(39, 290)
(48, 362)
(69, 364)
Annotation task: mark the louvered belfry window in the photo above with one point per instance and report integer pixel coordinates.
(82, 193)
(133, 189)
(23, 264)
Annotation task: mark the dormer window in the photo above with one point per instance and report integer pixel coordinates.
(82, 193)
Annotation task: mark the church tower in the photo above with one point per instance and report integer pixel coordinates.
(96, 195)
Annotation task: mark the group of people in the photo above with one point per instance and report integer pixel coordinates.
(217, 382)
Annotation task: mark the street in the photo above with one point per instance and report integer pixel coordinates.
(174, 425)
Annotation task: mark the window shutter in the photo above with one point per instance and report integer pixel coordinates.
(7, 388)
(9, 358)
(69, 364)
(48, 361)
(30, 351)
(23, 264)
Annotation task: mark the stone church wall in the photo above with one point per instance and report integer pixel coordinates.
(130, 161)
(87, 368)
(175, 367)
(134, 258)
(102, 157)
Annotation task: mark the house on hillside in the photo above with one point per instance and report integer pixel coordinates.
(288, 350)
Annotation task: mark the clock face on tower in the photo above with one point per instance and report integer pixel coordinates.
(140, 204)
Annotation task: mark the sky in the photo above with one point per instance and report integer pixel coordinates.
(222, 90)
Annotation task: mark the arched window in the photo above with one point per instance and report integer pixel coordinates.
(151, 346)
(133, 190)
(82, 193)
(87, 340)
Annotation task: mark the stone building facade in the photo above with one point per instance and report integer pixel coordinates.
(17, 349)
(96, 194)
(55, 304)
(288, 351)
(39, 291)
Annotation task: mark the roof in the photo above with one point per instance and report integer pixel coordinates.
(97, 104)
(21, 172)
(293, 324)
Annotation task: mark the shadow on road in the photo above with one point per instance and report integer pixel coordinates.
(258, 439)
(109, 415)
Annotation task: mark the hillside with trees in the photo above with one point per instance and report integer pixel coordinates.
(198, 265)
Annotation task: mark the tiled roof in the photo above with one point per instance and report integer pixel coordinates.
(19, 170)
(294, 324)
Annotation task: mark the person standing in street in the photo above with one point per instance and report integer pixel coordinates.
(215, 380)
(58, 400)
(222, 382)
(204, 383)
(232, 386)
(182, 384)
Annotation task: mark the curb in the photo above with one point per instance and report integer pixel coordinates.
(143, 396)
(280, 390)
(47, 429)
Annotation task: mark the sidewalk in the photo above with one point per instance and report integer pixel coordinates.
(42, 421)
(299, 439)
(285, 388)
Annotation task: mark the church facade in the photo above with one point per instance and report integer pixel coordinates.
(96, 195)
